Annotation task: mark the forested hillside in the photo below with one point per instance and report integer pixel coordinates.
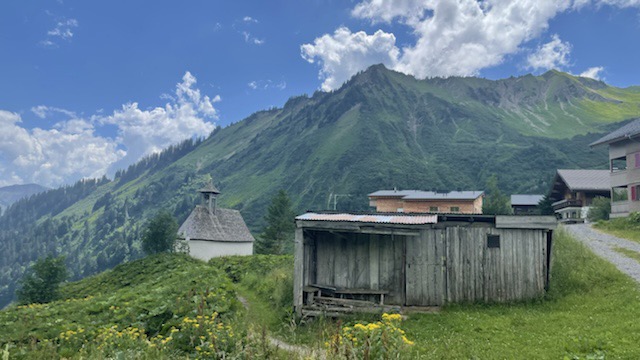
(382, 129)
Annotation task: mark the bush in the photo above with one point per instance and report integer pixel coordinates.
(40, 284)
(600, 209)
(160, 234)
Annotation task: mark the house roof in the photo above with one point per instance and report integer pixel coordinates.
(226, 225)
(393, 193)
(595, 180)
(209, 188)
(630, 130)
(428, 195)
(371, 218)
(525, 200)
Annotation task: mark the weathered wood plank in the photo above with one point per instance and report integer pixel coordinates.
(526, 222)
(298, 271)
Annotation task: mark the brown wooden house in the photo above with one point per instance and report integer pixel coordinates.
(345, 261)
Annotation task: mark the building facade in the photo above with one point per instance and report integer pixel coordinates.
(210, 231)
(346, 262)
(417, 201)
(574, 190)
(525, 204)
(624, 168)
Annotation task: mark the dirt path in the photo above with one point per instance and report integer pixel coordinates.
(299, 351)
(604, 246)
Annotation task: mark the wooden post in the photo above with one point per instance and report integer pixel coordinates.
(298, 271)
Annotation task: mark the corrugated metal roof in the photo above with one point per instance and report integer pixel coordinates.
(598, 180)
(529, 200)
(371, 218)
(629, 130)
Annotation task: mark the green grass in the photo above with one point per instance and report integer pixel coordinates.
(624, 228)
(591, 310)
(628, 253)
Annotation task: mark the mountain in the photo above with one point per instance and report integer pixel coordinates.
(12, 193)
(382, 129)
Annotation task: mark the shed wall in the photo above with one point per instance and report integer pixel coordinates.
(450, 264)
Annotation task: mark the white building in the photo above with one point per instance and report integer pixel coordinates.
(212, 232)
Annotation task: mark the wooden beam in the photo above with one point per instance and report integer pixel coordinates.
(298, 272)
(526, 222)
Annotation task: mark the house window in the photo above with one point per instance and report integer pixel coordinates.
(636, 157)
(455, 209)
(493, 241)
(433, 209)
(635, 192)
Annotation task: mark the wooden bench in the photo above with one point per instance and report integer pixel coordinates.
(312, 289)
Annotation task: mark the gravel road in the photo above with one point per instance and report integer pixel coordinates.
(603, 245)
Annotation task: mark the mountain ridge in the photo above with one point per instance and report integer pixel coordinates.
(381, 129)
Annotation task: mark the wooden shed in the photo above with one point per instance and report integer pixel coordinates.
(343, 261)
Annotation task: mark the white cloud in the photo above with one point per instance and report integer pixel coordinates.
(71, 149)
(64, 29)
(143, 132)
(43, 111)
(267, 84)
(452, 37)
(251, 39)
(593, 73)
(68, 152)
(344, 53)
(249, 19)
(552, 55)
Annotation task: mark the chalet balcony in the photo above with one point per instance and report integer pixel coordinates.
(562, 204)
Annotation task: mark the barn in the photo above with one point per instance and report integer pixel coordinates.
(369, 262)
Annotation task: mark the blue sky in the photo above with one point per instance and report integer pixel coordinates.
(89, 87)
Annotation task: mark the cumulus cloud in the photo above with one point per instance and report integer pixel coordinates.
(249, 19)
(452, 37)
(593, 73)
(72, 149)
(552, 55)
(344, 53)
(69, 151)
(143, 132)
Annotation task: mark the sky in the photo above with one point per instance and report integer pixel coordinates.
(90, 87)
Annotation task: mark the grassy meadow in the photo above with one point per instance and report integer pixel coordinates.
(626, 228)
(171, 306)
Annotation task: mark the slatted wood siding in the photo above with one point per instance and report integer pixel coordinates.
(361, 261)
(425, 271)
(450, 264)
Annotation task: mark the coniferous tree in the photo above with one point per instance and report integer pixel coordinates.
(544, 206)
(277, 236)
(40, 284)
(495, 203)
(160, 234)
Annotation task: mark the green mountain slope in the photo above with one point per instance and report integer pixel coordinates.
(382, 129)
(13, 193)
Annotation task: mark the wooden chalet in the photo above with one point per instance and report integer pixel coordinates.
(348, 262)
(210, 231)
(574, 190)
(525, 204)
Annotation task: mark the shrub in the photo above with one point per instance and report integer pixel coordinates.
(160, 234)
(600, 209)
(379, 340)
(40, 284)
